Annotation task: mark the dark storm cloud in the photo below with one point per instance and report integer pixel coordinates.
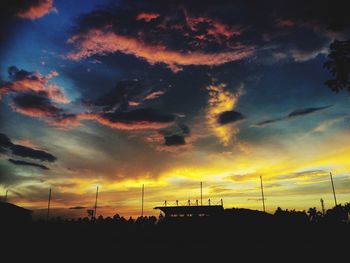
(293, 114)
(5, 141)
(174, 140)
(20, 74)
(120, 96)
(35, 100)
(35, 104)
(230, 117)
(24, 81)
(158, 41)
(25, 163)
(184, 128)
(175, 135)
(40, 106)
(212, 33)
(126, 94)
(24, 151)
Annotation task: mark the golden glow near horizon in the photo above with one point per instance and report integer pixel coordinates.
(292, 180)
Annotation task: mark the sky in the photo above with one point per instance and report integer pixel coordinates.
(169, 94)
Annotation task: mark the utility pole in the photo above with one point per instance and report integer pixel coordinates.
(209, 201)
(335, 198)
(5, 198)
(95, 210)
(222, 202)
(48, 206)
(322, 205)
(201, 193)
(262, 193)
(177, 202)
(142, 201)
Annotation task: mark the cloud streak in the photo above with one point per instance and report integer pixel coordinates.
(293, 114)
(25, 151)
(136, 119)
(25, 163)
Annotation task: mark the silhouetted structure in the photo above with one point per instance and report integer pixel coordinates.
(262, 193)
(13, 214)
(198, 210)
(48, 206)
(95, 208)
(142, 198)
(335, 198)
(322, 206)
(5, 198)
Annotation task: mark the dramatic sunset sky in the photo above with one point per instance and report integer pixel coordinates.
(168, 94)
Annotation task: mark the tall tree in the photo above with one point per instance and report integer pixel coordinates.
(338, 65)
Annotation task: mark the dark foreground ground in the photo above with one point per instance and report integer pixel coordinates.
(230, 237)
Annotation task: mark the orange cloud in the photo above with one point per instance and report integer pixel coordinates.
(215, 27)
(154, 95)
(26, 142)
(32, 112)
(37, 83)
(147, 16)
(115, 124)
(42, 8)
(97, 41)
(55, 93)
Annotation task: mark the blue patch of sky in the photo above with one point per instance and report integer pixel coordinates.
(38, 45)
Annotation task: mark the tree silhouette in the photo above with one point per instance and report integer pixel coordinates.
(338, 65)
(314, 215)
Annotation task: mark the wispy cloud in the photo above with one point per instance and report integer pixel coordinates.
(324, 125)
(292, 114)
(25, 163)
